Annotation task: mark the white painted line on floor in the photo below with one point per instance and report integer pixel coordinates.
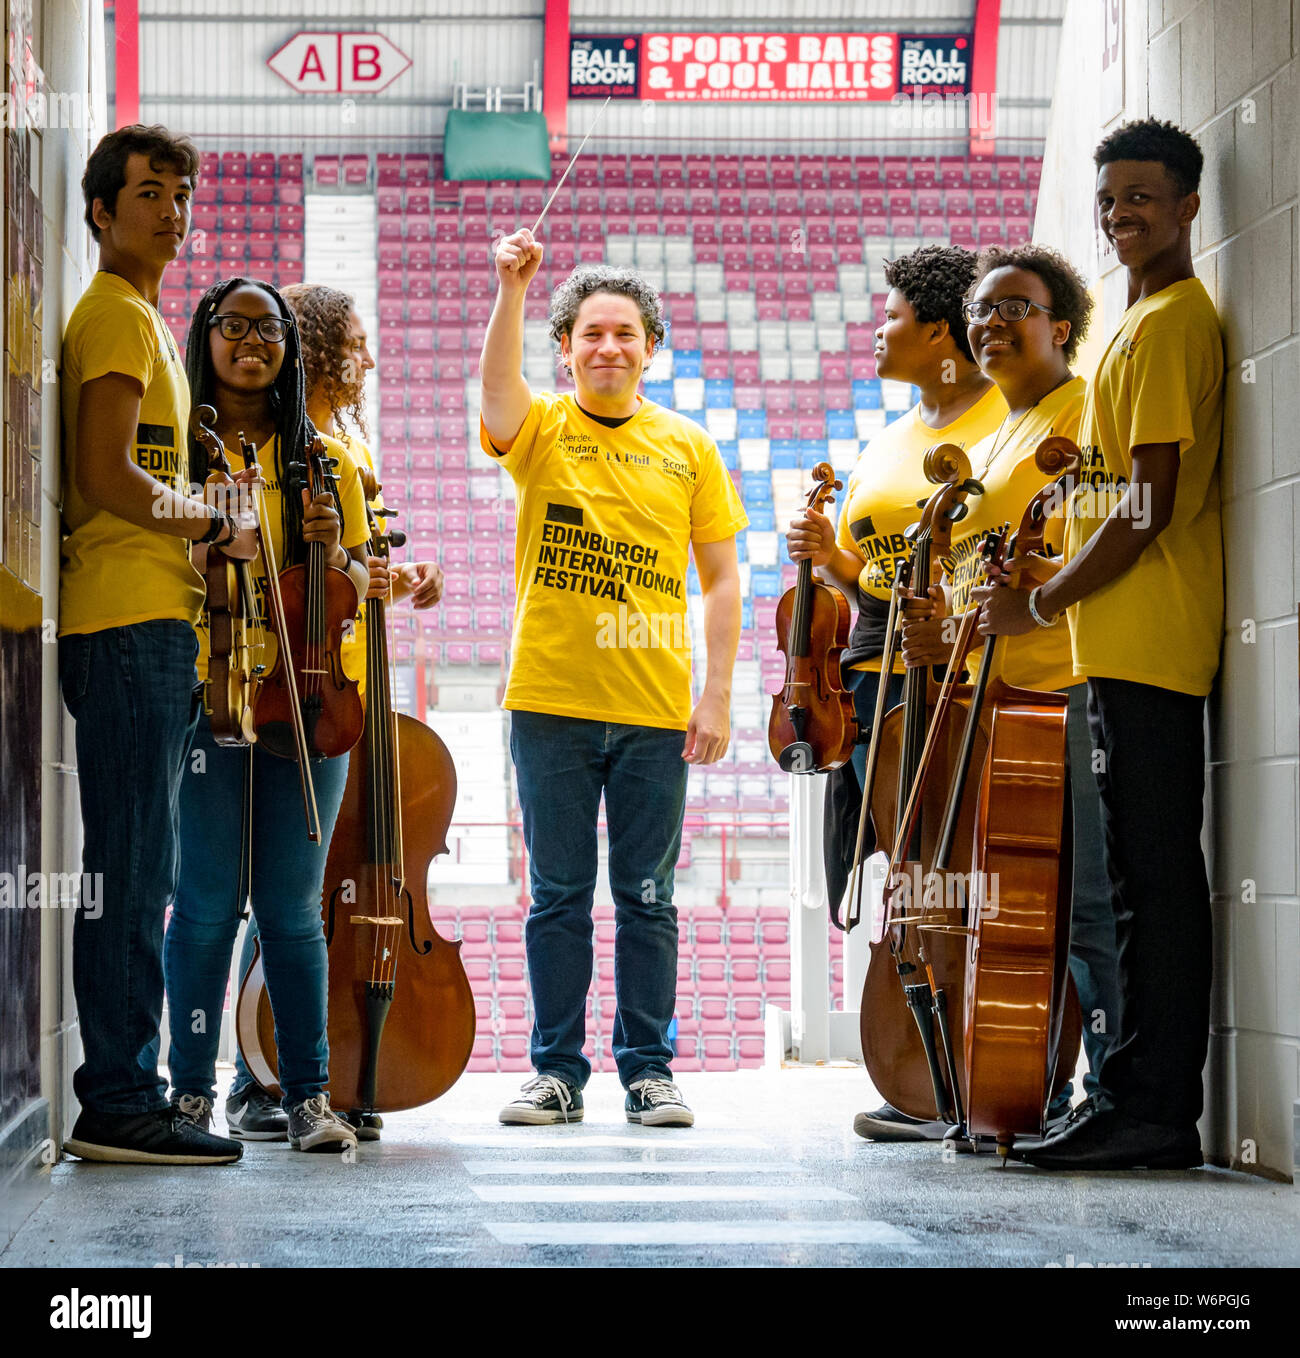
(556, 1138)
(658, 1193)
(687, 1233)
(626, 1167)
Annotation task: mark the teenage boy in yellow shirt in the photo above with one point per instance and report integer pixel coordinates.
(615, 492)
(129, 599)
(1143, 587)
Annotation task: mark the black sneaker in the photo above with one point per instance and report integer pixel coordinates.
(888, 1124)
(314, 1126)
(368, 1126)
(543, 1100)
(196, 1107)
(656, 1102)
(165, 1137)
(253, 1115)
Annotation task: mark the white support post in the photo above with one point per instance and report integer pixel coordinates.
(809, 943)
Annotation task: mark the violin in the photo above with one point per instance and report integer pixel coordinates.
(813, 727)
(319, 605)
(401, 1013)
(235, 638)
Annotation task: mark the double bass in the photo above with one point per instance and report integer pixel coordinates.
(401, 1013)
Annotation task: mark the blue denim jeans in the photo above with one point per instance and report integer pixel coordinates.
(562, 765)
(131, 692)
(287, 875)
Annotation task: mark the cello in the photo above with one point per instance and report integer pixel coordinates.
(911, 1003)
(1020, 1023)
(813, 727)
(401, 1013)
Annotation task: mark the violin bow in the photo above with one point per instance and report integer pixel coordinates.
(275, 606)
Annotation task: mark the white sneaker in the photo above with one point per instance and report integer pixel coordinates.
(314, 1127)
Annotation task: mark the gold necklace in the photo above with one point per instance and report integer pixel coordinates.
(997, 447)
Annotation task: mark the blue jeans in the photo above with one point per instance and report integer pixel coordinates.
(287, 875)
(562, 765)
(131, 692)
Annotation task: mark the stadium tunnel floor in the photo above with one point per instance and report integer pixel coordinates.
(772, 1174)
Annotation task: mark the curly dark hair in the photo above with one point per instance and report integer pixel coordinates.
(1150, 139)
(322, 314)
(1071, 300)
(588, 279)
(934, 279)
(287, 397)
(105, 175)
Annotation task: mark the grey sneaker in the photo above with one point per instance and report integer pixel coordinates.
(544, 1099)
(314, 1127)
(656, 1102)
(253, 1115)
(195, 1107)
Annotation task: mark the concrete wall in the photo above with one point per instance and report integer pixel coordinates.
(73, 58)
(1227, 71)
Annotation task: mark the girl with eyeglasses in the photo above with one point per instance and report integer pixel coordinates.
(1026, 314)
(242, 834)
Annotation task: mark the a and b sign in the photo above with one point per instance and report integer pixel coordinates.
(338, 63)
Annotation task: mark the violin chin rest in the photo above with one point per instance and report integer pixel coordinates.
(798, 757)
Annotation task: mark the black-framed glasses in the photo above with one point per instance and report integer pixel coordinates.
(271, 328)
(1009, 308)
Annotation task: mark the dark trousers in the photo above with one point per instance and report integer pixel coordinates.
(131, 692)
(1152, 784)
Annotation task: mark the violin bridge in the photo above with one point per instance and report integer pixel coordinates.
(375, 919)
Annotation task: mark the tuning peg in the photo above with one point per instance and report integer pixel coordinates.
(397, 538)
(387, 512)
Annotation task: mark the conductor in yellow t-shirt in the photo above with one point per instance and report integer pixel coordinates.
(1143, 588)
(614, 494)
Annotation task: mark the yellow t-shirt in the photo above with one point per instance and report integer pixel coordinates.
(355, 532)
(1159, 381)
(880, 504)
(354, 647)
(113, 573)
(604, 526)
(1039, 659)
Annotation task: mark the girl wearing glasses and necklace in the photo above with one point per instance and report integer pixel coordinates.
(243, 358)
(1026, 314)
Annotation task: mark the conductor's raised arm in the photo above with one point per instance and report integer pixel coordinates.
(506, 397)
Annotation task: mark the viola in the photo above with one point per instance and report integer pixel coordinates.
(813, 726)
(235, 640)
(319, 606)
(401, 1012)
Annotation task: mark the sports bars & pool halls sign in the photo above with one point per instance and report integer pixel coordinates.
(737, 67)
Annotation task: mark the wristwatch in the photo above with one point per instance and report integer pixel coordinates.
(1035, 614)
